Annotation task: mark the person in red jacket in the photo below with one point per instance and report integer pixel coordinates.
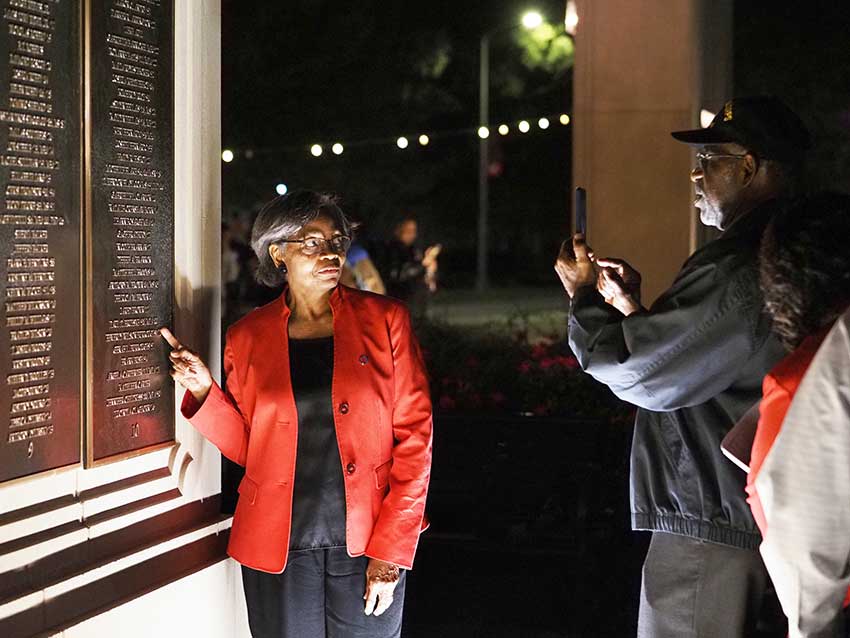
(804, 265)
(326, 406)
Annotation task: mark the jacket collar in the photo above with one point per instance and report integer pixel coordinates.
(337, 297)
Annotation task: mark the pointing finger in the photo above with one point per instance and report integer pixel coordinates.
(170, 338)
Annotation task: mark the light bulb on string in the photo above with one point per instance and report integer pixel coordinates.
(402, 142)
(316, 150)
(524, 126)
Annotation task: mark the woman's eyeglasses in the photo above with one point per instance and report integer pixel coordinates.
(313, 245)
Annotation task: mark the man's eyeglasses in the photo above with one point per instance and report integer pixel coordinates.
(313, 245)
(704, 158)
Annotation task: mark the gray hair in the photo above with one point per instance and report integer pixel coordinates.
(282, 218)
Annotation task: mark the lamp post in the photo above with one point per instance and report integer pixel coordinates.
(482, 279)
(530, 20)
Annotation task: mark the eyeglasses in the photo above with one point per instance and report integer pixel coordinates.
(338, 244)
(704, 158)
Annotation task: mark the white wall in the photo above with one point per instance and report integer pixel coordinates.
(184, 609)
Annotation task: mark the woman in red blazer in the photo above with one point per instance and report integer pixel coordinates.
(326, 406)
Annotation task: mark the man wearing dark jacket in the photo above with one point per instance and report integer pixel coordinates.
(693, 364)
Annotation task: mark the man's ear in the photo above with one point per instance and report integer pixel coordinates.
(749, 168)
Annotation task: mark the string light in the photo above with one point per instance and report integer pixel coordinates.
(402, 142)
(281, 189)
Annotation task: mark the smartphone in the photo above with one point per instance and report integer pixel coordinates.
(580, 211)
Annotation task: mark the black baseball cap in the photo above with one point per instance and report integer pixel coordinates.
(762, 124)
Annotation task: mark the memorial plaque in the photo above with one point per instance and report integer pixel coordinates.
(129, 209)
(40, 178)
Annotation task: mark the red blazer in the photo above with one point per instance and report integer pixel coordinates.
(382, 414)
(779, 388)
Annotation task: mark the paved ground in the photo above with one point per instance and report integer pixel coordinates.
(545, 309)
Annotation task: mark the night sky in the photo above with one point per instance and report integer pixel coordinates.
(304, 71)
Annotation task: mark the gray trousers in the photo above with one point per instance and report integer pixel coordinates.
(697, 589)
(318, 595)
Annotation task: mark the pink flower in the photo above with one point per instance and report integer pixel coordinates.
(538, 351)
(524, 367)
(547, 363)
(569, 362)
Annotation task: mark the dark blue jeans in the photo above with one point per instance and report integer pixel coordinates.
(318, 595)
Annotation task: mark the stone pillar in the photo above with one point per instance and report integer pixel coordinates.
(643, 69)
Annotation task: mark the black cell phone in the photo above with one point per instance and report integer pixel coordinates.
(580, 211)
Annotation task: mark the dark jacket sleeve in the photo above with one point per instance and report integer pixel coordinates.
(685, 350)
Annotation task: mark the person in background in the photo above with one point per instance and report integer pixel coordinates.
(327, 407)
(805, 277)
(359, 271)
(409, 273)
(693, 363)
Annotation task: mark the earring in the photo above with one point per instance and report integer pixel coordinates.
(282, 267)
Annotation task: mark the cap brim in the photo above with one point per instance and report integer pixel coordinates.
(712, 135)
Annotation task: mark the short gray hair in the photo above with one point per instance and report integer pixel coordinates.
(282, 218)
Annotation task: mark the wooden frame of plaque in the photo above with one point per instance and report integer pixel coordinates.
(129, 229)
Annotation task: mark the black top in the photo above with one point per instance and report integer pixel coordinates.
(318, 499)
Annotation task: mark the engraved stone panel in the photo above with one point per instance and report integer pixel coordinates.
(40, 337)
(130, 188)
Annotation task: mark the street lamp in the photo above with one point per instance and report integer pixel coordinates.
(530, 20)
